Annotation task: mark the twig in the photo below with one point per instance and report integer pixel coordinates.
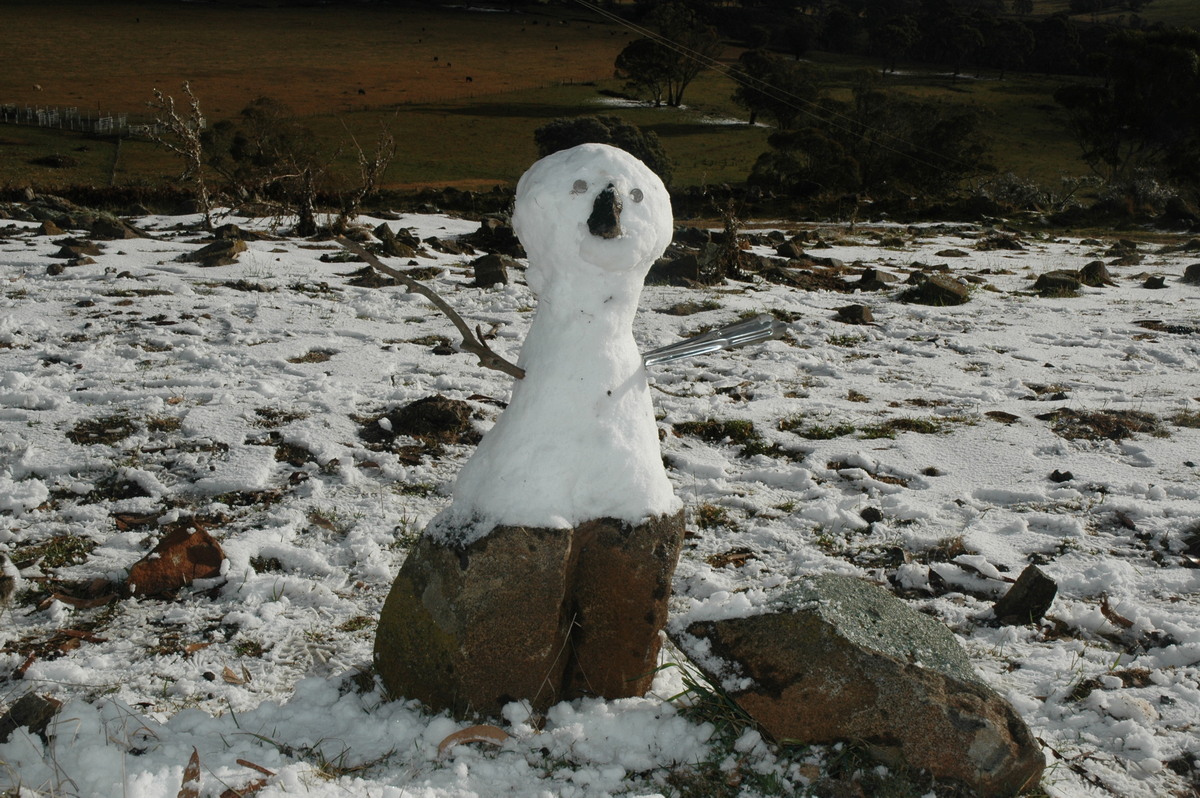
(471, 341)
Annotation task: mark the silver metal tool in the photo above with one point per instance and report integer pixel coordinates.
(763, 327)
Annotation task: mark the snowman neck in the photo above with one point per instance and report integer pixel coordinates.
(585, 324)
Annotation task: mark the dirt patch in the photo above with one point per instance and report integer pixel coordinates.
(1113, 425)
(106, 430)
(434, 421)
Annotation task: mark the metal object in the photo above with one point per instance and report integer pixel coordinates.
(763, 327)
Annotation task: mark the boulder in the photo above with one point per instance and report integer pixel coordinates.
(835, 658)
(1155, 281)
(495, 234)
(1192, 274)
(459, 633)
(792, 250)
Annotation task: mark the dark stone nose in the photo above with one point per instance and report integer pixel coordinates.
(605, 220)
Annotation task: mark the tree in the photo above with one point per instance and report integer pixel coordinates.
(664, 66)
(567, 132)
(768, 85)
(267, 154)
(184, 138)
(1144, 118)
(881, 143)
(894, 39)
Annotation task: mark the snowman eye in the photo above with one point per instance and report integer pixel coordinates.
(636, 195)
(579, 187)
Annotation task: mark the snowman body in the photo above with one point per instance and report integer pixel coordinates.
(578, 440)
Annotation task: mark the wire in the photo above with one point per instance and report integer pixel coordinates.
(834, 119)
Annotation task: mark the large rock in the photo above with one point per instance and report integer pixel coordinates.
(529, 613)
(838, 659)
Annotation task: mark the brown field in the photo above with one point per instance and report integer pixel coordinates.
(351, 70)
(108, 56)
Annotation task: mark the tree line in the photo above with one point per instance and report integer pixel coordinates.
(1131, 106)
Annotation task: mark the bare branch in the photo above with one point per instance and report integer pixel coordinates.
(471, 341)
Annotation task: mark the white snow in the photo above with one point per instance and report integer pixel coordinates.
(205, 375)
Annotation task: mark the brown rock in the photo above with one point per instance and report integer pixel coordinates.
(1192, 274)
(31, 711)
(49, 228)
(1032, 594)
(838, 659)
(1155, 281)
(75, 248)
(855, 314)
(1096, 275)
(110, 227)
(492, 270)
(222, 252)
(1058, 283)
(529, 613)
(792, 250)
(938, 289)
(186, 554)
(875, 280)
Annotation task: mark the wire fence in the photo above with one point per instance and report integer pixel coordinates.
(71, 118)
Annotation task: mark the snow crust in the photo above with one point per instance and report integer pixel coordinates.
(214, 380)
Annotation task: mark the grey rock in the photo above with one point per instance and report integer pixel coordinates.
(837, 659)
(1192, 274)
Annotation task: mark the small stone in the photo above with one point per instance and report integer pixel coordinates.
(30, 711)
(1058, 283)
(1191, 274)
(939, 290)
(1061, 476)
(186, 554)
(1155, 281)
(492, 270)
(872, 515)
(1095, 275)
(855, 314)
(222, 252)
(1027, 600)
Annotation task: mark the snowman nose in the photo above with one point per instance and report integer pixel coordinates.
(605, 220)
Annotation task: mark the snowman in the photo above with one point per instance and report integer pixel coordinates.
(548, 575)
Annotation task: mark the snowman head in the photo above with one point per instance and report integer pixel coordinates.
(592, 207)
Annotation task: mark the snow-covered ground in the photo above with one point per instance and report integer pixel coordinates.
(197, 386)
